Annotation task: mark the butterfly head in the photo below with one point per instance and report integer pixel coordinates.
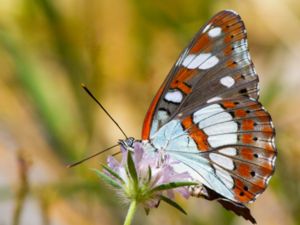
(127, 143)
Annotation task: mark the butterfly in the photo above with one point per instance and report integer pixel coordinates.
(206, 115)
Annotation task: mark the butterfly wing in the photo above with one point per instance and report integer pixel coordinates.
(219, 46)
(207, 115)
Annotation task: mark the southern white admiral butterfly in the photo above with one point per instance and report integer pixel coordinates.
(207, 116)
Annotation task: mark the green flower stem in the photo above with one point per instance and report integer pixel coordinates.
(130, 213)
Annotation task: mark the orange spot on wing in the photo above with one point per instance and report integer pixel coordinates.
(227, 39)
(261, 113)
(247, 138)
(267, 168)
(248, 125)
(244, 170)
(247, 153)
(269, 147)
(202, 42)
(267, 129)
(241, 194)
(197, 134)
(258, 187)
(228, 104)
(234, 36)
(231, 64)
(182, 86)
(260, 183)
(240, 113)
(265, 171)
(227, 50)
(183, 75)
(237, 26)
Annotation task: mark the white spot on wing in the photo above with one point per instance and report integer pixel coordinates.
(196, 61)
(215, 32)
(227, 81)
(202, 61)
(220, 140)
(214, 99)
(221, 160)
(228, 151)
(206, 112)
(222, 128)
(211, 62)
(224, 176)
(206, 28)
(188, 59)
(174, 96)
(215, 118)
(162, 115)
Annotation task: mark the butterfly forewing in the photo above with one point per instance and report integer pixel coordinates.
(216, 59)
(207, 116)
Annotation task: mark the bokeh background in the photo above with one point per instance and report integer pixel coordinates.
(123, 49)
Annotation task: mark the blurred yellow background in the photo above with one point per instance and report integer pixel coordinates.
(122, 50)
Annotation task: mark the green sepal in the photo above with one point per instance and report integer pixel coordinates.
(113, 173)
(131, 169)
(172, 203)
(172, 185)
(108, 179)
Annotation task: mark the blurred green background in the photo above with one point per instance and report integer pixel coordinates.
(122, 50)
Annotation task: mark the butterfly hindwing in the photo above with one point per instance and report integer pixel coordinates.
(207, 115)
(238, 140)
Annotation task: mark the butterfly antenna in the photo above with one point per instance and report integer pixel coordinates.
(117, 153)
(91, 156)
(107, 113)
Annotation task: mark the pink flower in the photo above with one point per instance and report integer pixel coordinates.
(147, 177)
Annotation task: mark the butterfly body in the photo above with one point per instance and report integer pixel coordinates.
(207, 115)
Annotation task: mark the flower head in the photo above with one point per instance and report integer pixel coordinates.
(146, 177)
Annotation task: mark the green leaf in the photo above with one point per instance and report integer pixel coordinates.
(172, 185)
(108, 179)
(113, 173)
(172, 203)
(131, 169)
